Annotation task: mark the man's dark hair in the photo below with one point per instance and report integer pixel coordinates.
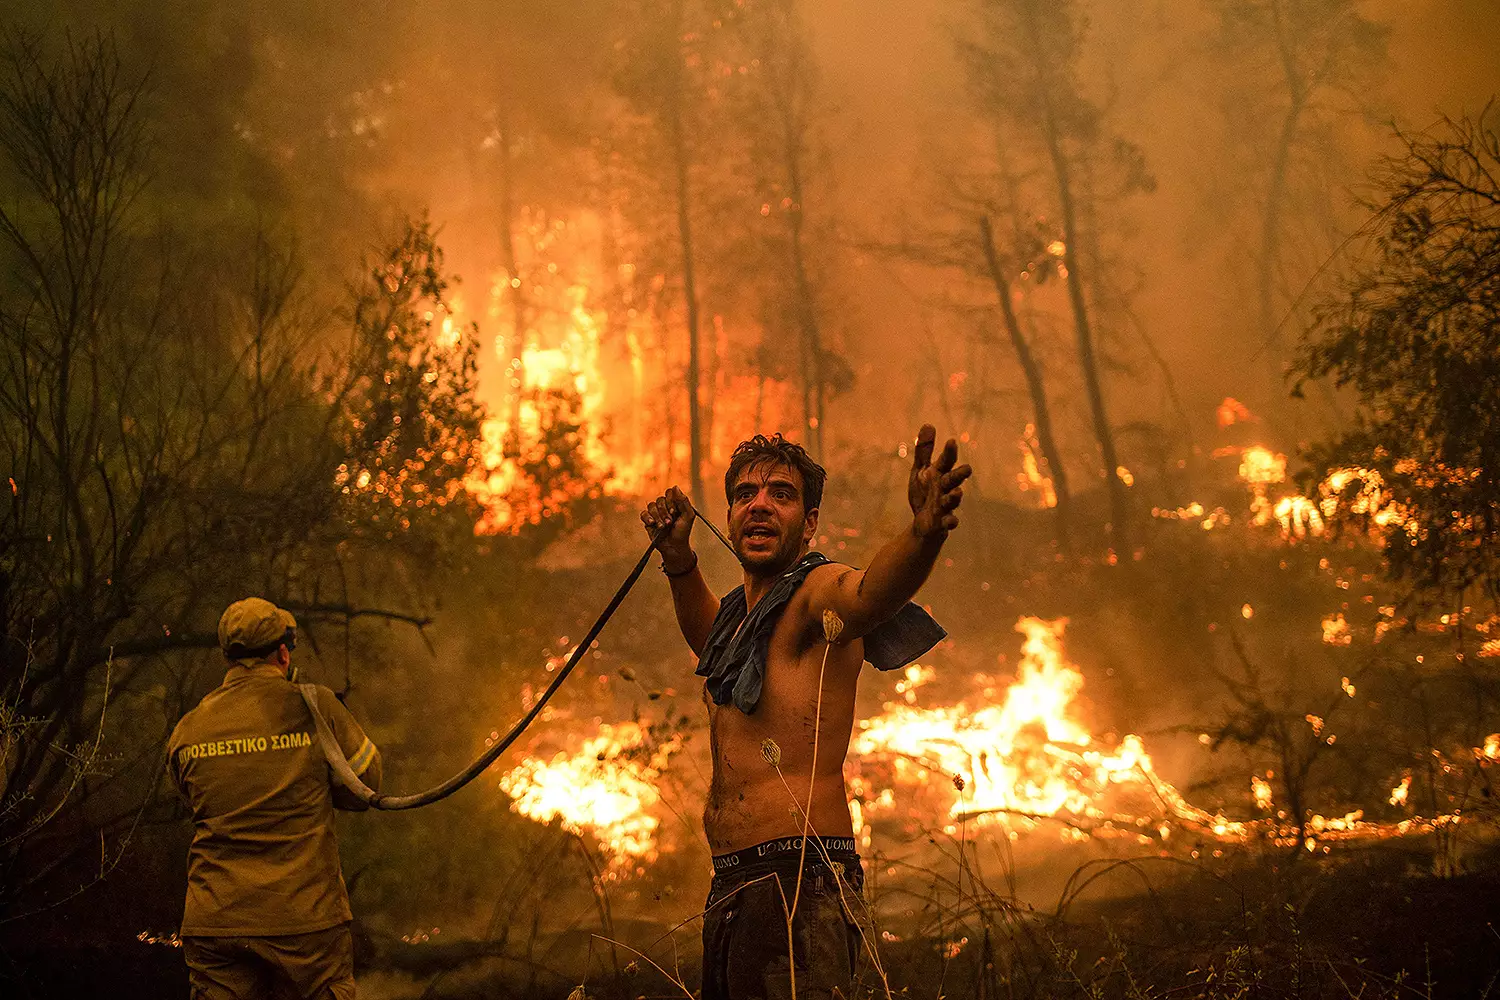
(779, 451)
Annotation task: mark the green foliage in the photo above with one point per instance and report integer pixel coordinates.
(409, 417)
(560, 479)
(1415, 334)
(172, 419)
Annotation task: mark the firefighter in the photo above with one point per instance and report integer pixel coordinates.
(267, 911)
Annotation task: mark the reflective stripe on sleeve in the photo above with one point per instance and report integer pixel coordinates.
(361, 760)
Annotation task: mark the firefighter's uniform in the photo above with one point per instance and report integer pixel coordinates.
(266, 909)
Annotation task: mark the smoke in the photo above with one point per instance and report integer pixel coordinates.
(334, 119)
(326, 122)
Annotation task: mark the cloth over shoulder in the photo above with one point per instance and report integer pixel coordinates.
(734, 657)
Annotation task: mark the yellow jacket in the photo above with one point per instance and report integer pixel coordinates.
(264, 859)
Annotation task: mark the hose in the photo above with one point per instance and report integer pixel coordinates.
(374, 799)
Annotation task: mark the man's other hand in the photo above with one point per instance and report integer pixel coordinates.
(672, 509)
(935, 488)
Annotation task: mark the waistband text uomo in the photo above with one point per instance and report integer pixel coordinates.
(817, 848)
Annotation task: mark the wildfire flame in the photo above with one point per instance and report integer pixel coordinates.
(1260, 467)
(1231, 412)
(1259, 464)
(1260, 788)
(558, 377)
(1032, 759)
(608, 789)
(1359, 491)
(1031, 477)
(1029, 758)
(1007, 766)
(1015, 759)
(590, 366)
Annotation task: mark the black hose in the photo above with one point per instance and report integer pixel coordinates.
(468, 774)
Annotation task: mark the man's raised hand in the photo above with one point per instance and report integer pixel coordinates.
(935, 489)
(672, 509)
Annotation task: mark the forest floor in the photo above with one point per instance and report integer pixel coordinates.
(1371, 923)
(1375, 922)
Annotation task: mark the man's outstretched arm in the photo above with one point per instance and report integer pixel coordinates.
(865, 598)
(695, 604)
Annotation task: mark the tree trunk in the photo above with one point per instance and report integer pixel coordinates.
(1041, 414)
(1118, 504)
(681, 164)
(1119, 510)
(776, 38)
(813, 387)
(515, 292)
(1270, 237)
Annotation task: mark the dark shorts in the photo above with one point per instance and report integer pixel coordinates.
(748, 953)
(315, 966)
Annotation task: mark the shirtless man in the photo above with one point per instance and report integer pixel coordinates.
(777, 705)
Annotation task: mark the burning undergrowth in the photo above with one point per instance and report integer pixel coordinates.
(1237, 694)
(950, 746)
(1012, 758)
(607, 789)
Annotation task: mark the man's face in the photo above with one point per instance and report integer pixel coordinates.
(767, 525)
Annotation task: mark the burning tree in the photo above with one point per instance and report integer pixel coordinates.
(662, 79)
(408, 415)
(176, 430)
(1030, 366)
(780, 109)
(1416, 335)
(1021, 57)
